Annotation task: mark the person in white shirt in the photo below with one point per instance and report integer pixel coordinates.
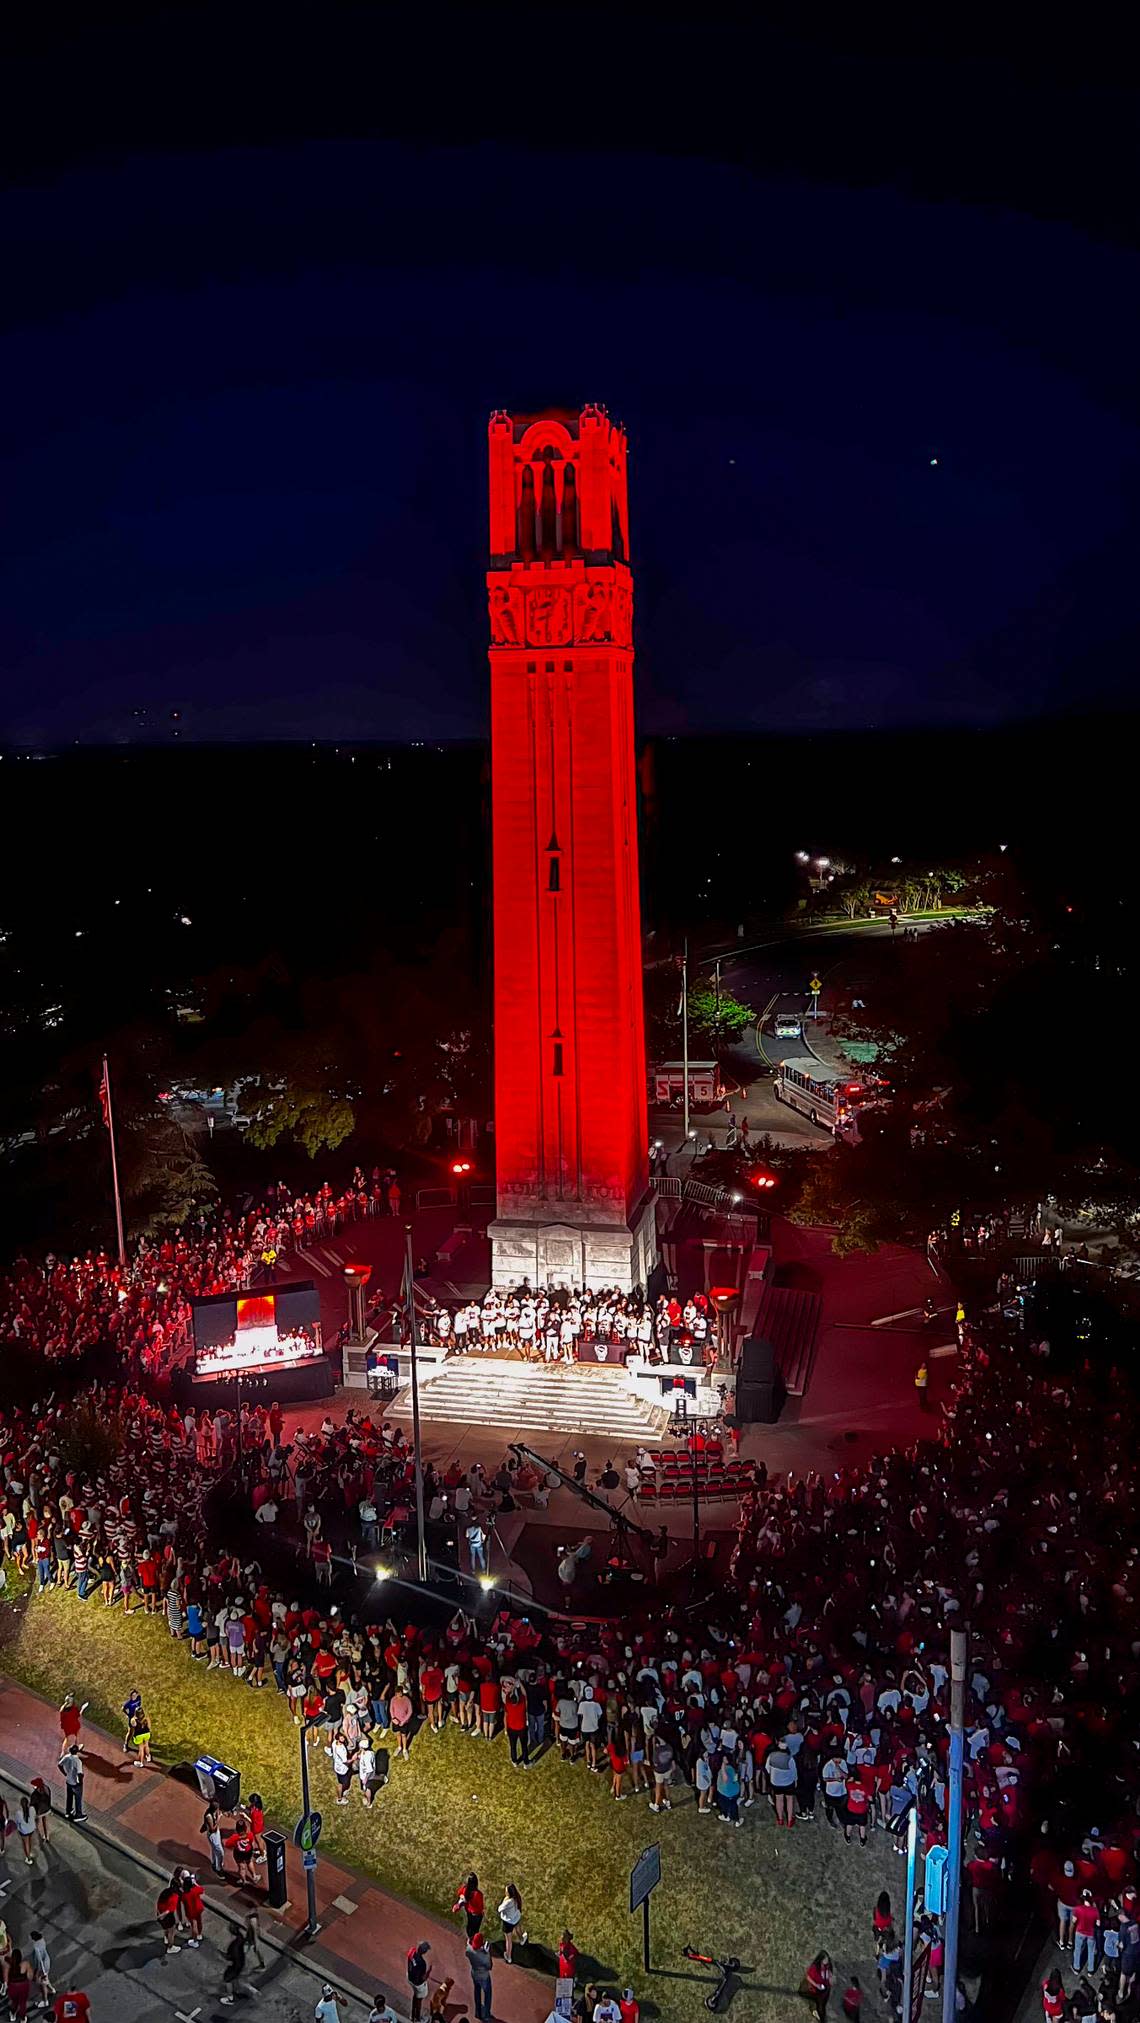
(366, 1767)
(589, 1722)
(327, 2009)
(607, 2010)
(382, 2012)
(342, 1766)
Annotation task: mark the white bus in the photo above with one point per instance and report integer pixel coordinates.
(808, 1087)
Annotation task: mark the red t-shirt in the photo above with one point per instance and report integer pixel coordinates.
(1053, 2004)
(489, 1696)
(70, 1720)
(194, 1900)
(857, 1799)
(1086, 1917)
(567, 1960)
(73, 2007)
(515, 1714)
(431, 1683)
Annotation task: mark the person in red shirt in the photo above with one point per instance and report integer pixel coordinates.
(490, 1699)
(431, 1689)
(166, 1911)
(1053, 1996)
(470, 1902)
(72, 2007)
(630, 2007)
(193, 1905)
(817, 1983)
(516, 1721)
(1086, 1918)
(858, 1806)
(567, 1957)
(70, 1720)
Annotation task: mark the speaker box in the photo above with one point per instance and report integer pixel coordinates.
(757, 1361)
(759, 1404)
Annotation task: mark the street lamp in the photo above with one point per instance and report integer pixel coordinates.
(802, 857)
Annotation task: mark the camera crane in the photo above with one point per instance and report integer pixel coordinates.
(615, 1517)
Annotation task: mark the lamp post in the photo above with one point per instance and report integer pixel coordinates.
(417, 1449)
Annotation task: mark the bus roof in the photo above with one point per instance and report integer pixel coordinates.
(813, 1071)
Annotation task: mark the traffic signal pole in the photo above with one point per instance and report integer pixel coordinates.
(954, 1822)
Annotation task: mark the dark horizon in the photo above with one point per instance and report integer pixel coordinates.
(884, 425)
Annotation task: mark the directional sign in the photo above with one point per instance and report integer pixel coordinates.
(307, 1832)
(918, 1978)
(644, 1875)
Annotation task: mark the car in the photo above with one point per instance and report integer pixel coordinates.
(788, 1025)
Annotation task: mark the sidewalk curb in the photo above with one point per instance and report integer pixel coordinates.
(96, 1831)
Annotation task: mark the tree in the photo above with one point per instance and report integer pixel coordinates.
(162, 1173)
(721, 1016)
(314, 1119)
(855, 899)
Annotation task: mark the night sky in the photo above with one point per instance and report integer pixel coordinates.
(262, 295)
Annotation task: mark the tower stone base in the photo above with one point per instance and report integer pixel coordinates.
(565, 1253)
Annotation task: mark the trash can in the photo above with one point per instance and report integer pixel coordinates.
(205, 1770)
(277, 1888)
(227, 1787)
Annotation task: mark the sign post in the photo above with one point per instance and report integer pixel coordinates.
(643, 1880)
(307, 1833)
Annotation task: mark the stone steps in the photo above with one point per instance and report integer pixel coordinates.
(527, 1398)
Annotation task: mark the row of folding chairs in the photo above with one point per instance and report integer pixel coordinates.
(681, 1457)
(718, 1482)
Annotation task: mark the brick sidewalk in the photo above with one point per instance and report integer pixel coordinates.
(365, 1934)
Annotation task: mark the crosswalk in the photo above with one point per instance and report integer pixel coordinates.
(529, 1398)
(333, 1265)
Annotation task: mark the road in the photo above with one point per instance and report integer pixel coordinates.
(774, 976)
(94, 1905)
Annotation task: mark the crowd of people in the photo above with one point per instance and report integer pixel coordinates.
(62, 1308)
(559, 1324)
(815, 1684)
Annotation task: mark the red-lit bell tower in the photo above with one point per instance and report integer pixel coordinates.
(571, 1136)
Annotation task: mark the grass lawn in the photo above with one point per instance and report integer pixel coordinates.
(774, 1898)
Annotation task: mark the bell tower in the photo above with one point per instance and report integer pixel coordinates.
(571, 1130)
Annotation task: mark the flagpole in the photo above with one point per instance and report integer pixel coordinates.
(421, 1542)
(114, 1164)
(685, 1030)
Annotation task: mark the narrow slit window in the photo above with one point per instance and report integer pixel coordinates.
(558, 1057)
(554, 880)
